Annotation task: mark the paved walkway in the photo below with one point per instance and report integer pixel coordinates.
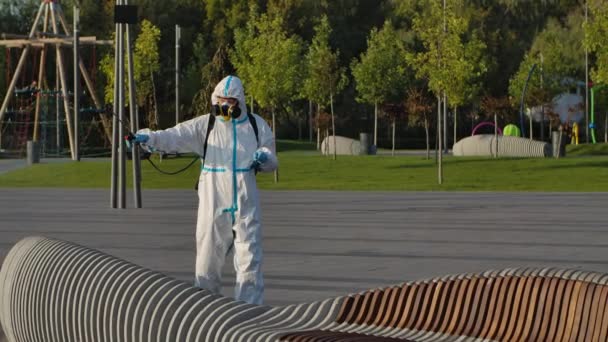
(7, 165)
(323, 244)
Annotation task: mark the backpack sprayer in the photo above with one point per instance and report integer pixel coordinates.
(215, 111)
(130, 137)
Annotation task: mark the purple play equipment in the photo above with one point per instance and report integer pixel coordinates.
(485, 123)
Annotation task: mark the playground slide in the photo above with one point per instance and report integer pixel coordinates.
(508, 146)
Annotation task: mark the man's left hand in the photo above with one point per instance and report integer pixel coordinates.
(259, 158)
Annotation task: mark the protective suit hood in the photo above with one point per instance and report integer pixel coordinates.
(230, 86)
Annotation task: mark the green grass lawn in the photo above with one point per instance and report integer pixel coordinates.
(306, 171)
(587, 150)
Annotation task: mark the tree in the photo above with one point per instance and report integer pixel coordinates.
(381, 71)
(241, 55)
(419, 109)
(211, 74)
(442, 51)
(596, 39)
(559, 46)
(324, 76)
(441, 55)
(496, 107)
(274, 71)
(557, 52)
(467, 70)
(146, 62)
(394, 111)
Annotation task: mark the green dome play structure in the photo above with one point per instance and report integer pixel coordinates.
(511, 130)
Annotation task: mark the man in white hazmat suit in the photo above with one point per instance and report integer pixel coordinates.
(228, 213)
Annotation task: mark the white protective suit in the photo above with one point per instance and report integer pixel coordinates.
(228, 195)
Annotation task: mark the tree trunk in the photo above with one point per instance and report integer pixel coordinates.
(445, 123)
(472, 122)
(318, 128)
(274, 134)
(606, 128)
(394, 124)
(326, 141)
(559, 142)
(155, 102)
(426, 130)
(455, 125)
(376, 124)
(318, 138)
(440, 144)
(436, 145)
(496, 135)
(333, 123)
(530, 125)
(310, 121)
(542, 123)
(299, 128)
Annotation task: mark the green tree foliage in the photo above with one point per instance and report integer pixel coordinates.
(106, 66)
(467, 72)
(274, 71)
(443, 54)
(560, 47)
(419, 106)
(203, 75)
(96, 17)
(596, 39)
(273, 75)
(512, 32)
(146, 62)
(17, 16)
(508, 28)
(224, 16)
(381, 72)
(241, 55)
(324, 76)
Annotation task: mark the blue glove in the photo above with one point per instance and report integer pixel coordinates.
(259, 158)
(141, 138)
(136, 139)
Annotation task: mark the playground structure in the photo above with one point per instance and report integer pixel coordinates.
(512, 130)
(483, 124)
(575, 133)
(26, 111)
(592, 126)
(17, 125)
(501, 145)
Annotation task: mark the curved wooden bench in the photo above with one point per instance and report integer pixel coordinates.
(52, 290)
(509, 305)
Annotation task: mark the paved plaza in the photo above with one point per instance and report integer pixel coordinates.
(323, 244)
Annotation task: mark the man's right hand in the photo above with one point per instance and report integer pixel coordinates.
(136, 139)
(141, 138)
